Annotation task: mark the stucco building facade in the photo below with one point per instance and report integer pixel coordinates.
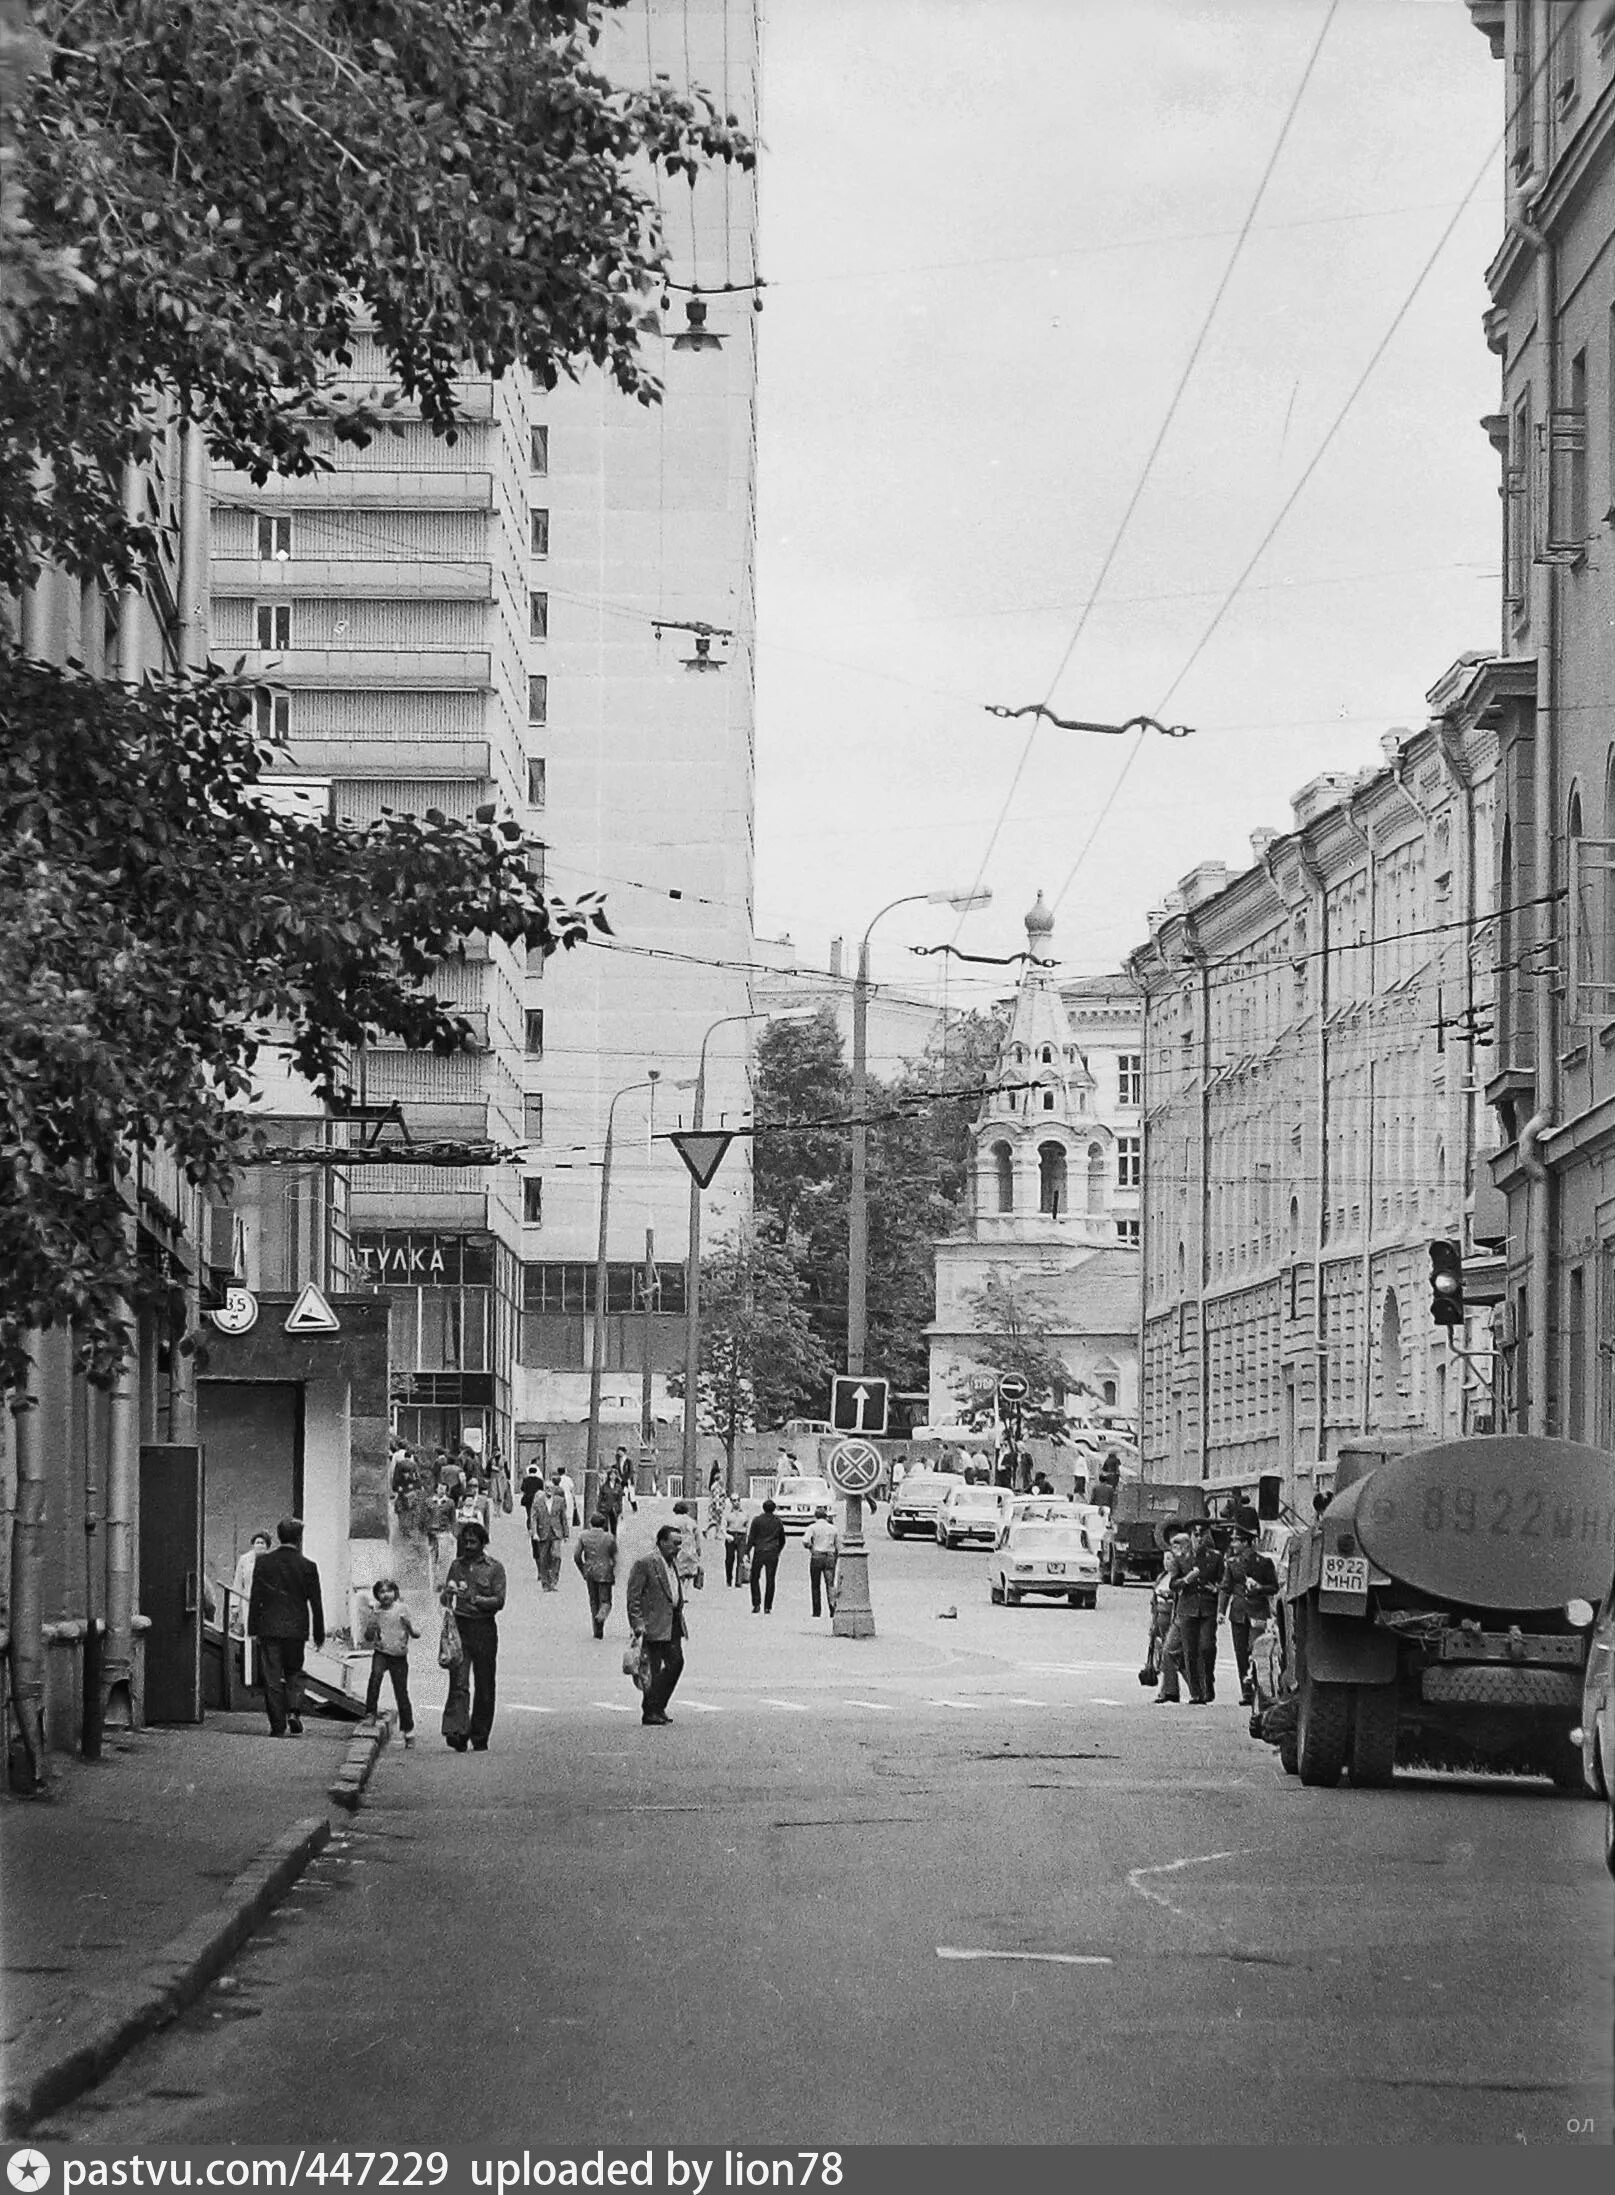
(1317, 1032)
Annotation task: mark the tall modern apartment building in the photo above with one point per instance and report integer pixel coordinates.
(554, 612)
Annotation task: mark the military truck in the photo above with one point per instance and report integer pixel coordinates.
(1435, 1612)
(1145, 1514)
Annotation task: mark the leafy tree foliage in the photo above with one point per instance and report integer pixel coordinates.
(916, 1172)
(158, 922)
(1011, 1334)
(209, 197)
(759, 1350)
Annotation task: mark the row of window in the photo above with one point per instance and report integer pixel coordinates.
(1129, 1072)
(277, 629)
(1051, 1164)
(570, 1288)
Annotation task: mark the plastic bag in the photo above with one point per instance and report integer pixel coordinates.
(450, 1646)
(636, 1663)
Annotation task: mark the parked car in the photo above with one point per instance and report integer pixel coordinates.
(914, 1505)
(1598, 1718)
(973, 1513)
(1054, 1559)
(796, 1501)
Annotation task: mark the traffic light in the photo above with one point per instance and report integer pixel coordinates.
(1446, 1284)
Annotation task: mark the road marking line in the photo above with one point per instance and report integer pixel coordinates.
(700, 1707)
(1016, 1699)
(1096, 1701)
(1171, 1867)
(794, 1707)
(1072, 1668)
(971, 1705)
(1031, 1958)
(612, 1707)
(875, 1707)
(520, 1707)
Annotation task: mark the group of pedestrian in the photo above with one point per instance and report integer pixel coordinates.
(1198, 1587)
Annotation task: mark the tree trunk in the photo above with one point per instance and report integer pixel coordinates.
(27, 1766)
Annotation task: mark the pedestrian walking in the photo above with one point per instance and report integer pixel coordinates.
(735, 1566)
(656, 1615)
(241, 1583)
(687, 1516)
(441, 1526)
(596, 1558)
(717, 1501)
(609, 1499)
(765, 1540)
(1165, 1640)
(532, 1480)
(474, 1591)
(390, 1627)
(568, 1487)
(282, 1614)
(1249, 1582)
(1196, 1619)
(823, 1543)
(474, 1507)
(544, 1531)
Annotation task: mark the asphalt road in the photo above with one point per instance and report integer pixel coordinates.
(959, 1883)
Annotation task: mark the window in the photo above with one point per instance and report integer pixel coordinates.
(1130, 1078)
(1517, 507)
(1127, 1231)
(1522, 106)
(1004, 1168)
(541, 450)
(541, 533)
(271, 714)
(1096, 1178)
(535, 1032)
(1048, 1055)
(535, 857)
(274, 625)
(274, 540)
(535, 781)
(1048, 1101)
(1051, 1196)
(1568, 432)
(1129, 1161)
(538, 700)
(538, 616)
(533, 1200)
(533, 1117)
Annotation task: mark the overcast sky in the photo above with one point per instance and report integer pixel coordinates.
(991, 230)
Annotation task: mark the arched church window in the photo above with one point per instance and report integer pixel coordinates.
(1051, 1178)
(1097, 1172)
(1004, 1168)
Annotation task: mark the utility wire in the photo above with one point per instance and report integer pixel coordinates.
(1155, 448)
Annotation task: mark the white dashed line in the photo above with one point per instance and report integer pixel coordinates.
(520, 1707)
(793, 1707)
(875, 1707)
(1016, 1699)
(1031, 1958)
(700, 1707)
(971, 1706)
(612, 1707)
(1096, 1701)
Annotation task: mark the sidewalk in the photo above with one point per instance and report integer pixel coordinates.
(131, 1885)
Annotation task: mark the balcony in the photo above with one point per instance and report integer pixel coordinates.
(345, 490)
(376, 670)
(373, 579)
(347, 755)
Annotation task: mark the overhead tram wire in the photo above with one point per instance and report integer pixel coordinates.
(1482, 175)
(1155, 447)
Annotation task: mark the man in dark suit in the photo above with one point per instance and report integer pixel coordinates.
(765, 1538)
(656, 1614)
(282, 1612)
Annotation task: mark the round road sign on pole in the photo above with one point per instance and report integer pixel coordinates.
(854, 1467)
(1012, 1387)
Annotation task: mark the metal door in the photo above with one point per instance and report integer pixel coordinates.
(171, 1580)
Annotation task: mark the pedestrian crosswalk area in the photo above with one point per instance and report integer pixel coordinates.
(782, 1707)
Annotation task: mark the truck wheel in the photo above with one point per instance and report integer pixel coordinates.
(1373, 1735)
(1564, 1766)
(1289, 1756)
(1322, 1731)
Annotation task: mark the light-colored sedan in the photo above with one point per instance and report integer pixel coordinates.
(972, 1513)
(1047, 1558)
(797, 1501)
(914, 1505)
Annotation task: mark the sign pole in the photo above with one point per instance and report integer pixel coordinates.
(854, 1468)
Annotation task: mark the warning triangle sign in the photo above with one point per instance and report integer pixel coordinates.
(702, 1151)
(311, 1314)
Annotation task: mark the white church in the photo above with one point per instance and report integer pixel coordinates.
(1057, 1191)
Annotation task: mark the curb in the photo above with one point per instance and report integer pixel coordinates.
(360, 1759)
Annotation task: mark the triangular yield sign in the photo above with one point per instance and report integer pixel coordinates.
(702, 1151)
(311, 1314)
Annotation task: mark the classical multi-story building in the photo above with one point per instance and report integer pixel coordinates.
(1317, 1032)
(553, 613)
(1056, 1192)
(1550, 690)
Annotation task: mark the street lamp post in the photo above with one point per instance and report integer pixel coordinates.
(964, 902)
(591, 1462)
(854, 1616)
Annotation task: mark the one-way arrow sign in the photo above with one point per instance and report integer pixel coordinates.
(858, 1405)
(702, 1151)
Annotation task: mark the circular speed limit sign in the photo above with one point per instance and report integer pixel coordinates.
(854, 1467)
(239, 1313)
